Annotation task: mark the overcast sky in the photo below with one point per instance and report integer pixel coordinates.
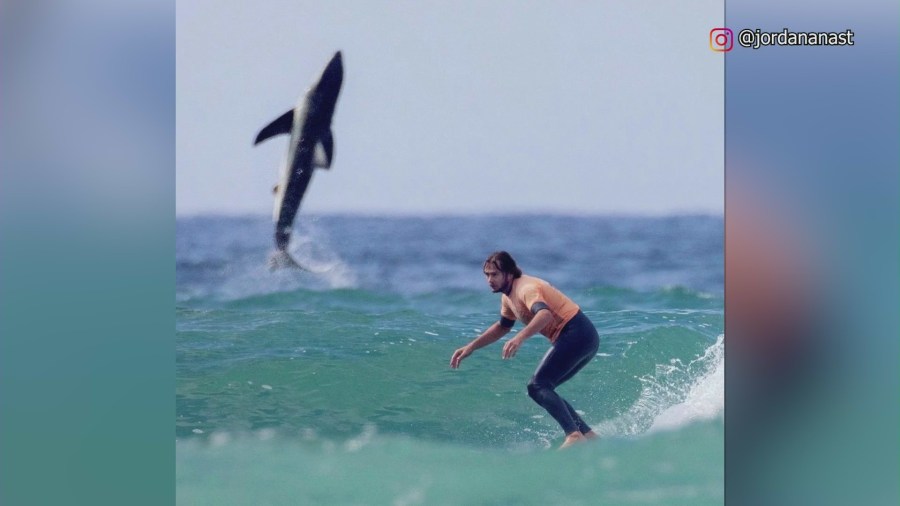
(457, 107)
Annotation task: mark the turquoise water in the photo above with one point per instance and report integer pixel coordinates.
(334, 388)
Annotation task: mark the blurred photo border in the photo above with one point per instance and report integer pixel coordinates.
(87, 185)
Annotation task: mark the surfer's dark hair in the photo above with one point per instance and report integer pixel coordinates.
(504, 262)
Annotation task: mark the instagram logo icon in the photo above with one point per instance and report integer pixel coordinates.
(721, 39)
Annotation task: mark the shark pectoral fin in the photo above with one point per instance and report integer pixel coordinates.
(282, 125)
(324, 151)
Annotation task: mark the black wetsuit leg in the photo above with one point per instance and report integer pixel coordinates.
(576, 345)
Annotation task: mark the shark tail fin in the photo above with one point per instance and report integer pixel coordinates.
(281, 259)
(281, 125)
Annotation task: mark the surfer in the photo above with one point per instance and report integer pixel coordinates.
(542, 308)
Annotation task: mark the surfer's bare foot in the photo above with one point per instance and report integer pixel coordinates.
(573, 438)
(591, 435)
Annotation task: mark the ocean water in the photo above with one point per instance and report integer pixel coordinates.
(334, 386)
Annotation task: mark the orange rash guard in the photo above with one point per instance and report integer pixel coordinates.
(526, 292)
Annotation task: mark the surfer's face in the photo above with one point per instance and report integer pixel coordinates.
(498, 281)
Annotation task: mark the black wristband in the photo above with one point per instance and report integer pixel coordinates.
(506, 322)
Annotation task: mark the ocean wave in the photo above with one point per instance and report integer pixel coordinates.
(268, 467)
(677, 394)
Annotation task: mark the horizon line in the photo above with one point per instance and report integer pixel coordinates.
(462, 214)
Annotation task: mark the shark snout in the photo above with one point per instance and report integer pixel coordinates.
(332, 77)
(336, 64)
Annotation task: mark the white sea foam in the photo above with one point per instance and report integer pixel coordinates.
(249, 277)
(313, 250)
(706, 397)
(363, 439)
(676, 395)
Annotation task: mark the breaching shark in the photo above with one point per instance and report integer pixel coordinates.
(311, 146)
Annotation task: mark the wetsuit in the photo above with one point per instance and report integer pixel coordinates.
(575, 343)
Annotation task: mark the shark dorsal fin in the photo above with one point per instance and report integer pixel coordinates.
(282, 125)
(324, 151)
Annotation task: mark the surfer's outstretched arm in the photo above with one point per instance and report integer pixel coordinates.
(540, 320)
(492, 334)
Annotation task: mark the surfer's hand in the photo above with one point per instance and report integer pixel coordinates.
(458, 355)
(511, 347)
